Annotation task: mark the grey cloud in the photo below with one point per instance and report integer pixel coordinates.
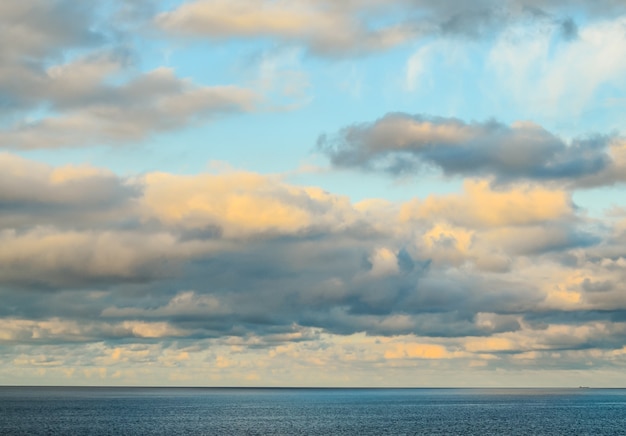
(551, 238)
(474, 23)
(329, 29)
(594, 8)
(49, 258)
(604, 335)
(326, 286)
(609, 297)
(487, 19)
(39, 70)
(592, 286)
(70, 226)
(541, 320)
(66, 198)
(38, 33)
(447, 8)
(154, 102)
(246, 292)
(162, 280)
(38, 28)
(399, 144)
(255, 293)
(569, 29)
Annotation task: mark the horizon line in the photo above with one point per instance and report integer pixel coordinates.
(307, 387)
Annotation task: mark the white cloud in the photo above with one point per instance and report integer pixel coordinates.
(550, 77)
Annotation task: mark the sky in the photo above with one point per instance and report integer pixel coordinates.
(313, 193)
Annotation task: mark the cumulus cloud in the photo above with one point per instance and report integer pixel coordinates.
(241, 204)
(49, 257)
(254, 267)
(64, 84)
(400, 144)
(29, 188)
(482, 206)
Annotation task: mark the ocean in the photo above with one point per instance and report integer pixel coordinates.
(243, 411)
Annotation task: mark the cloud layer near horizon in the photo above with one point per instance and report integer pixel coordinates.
(248, 262)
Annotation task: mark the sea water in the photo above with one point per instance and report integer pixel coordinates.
(237, 411)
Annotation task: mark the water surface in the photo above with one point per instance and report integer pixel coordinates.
(215, 411)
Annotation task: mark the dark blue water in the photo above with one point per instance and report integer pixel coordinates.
(199, 411)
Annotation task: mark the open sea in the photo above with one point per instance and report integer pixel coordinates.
(239, 411)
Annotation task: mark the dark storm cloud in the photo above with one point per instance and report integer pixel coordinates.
(401, 144)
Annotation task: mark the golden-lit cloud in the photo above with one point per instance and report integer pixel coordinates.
(482, 206)
(417, 351)
(264, 272)
(241, 204)
(325, 28)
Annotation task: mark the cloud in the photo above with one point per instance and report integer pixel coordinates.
(536, 70)
(325, 28)
(64, 84)
(39, 34)
(154, 102)
(38, 28)
(184, 304)
(28, 181)
(243, 204)
(481, 206)
(48, 257)
(71, 197)
(215, 278)
(329, 29)
(57, 330)
(74, 79)
(525, 69)
(400, 144)
(237, 268)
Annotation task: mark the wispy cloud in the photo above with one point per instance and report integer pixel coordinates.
(325, 28)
